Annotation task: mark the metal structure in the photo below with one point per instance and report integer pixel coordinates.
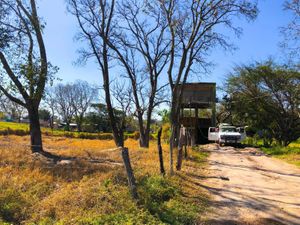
(198, 110)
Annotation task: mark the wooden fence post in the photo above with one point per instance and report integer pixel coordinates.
(160, 152)
(130, 175)
(182, 142)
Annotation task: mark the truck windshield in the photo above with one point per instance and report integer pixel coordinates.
(228, 129)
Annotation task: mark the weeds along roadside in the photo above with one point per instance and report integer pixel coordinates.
(95, 194)
(289, 154)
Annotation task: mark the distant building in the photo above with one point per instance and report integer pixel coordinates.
(198, 110)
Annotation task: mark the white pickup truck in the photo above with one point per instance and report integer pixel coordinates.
(226, 134)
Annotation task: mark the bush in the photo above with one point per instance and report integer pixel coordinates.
(177, 212)
(105, 136)
(135, 135)
(157, 189)
(133, 217)
(69, 134)
(12, 206)
(87, 136)
(18, 132)
(22, 130)
(163, 199)
(166, 132)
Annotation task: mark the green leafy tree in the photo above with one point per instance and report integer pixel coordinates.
(24, 68)
(165, 116)
(267, 97)
(44, 114)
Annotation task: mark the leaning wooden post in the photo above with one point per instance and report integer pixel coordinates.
(185, 152)
(130, 175)
(160, 152)
(182, 140)
(186, 144)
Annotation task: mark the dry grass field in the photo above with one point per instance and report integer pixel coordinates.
(92, 188)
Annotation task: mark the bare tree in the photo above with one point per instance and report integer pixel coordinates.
(141, 48)
(291, 32)
(14, 110)
(24, 60)
(122, 94)
(192, 29)
(51, 103)
(95, 19)
(64, 101)
(82, 96)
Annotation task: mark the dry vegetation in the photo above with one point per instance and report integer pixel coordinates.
(92, 188)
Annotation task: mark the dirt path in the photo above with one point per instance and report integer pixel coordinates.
(251, 188)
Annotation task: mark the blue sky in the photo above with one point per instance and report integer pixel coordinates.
(259, 42)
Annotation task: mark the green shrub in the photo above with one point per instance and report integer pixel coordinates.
(18, 132)
(157, 189)
(12, 206)
(177, 212)
(3, 132)
(153, 136)
(166, 132)
(135, 135)
(69, 134)
(119, 218)
(87, 136)
(279, 150)
(163, 199)
(105, 136)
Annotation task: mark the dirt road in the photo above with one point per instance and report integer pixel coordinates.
(248, 187)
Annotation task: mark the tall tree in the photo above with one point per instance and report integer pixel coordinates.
(291, 32)
(64, 101)
(24, 60)
(141, 48)
(95, 19)
(193, 33)
(267, 97)
(51, 103)
(82, 96)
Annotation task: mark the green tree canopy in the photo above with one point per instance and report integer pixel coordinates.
(266, 97)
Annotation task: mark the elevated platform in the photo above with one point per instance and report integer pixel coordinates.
(196, 97)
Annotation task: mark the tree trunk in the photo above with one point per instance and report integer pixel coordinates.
(130, 175)
(79, 127)
(160, 153)
(179, 158)
(35, 130)
(67, 127)
(174, 135)
(79, 120)
(119, 140)
(144, 140)
(185, 152)
(171, 145)
(182, 142)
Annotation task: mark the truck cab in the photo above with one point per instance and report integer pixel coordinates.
(226, 134)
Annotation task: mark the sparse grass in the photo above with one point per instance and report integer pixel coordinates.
(290, 153)
(22, 129)
(35, 191)
(13, 126)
